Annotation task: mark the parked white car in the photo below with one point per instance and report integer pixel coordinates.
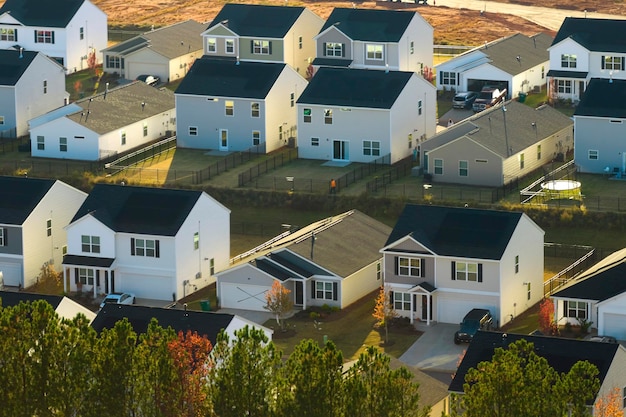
(118, 298)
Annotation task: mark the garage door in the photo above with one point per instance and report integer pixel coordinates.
(12, 274)
(615, 325)
(477, 85)
(453, 311)
(245, 297)
(135, 69)
(145, 286)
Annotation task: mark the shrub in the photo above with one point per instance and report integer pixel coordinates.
(314, 315)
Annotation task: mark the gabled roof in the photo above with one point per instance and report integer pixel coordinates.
(560, 353)
(604, 280)
(12, 66)
(44, 13)
(487, 128)
(204, 323)
(171, 41)
(229, 78)
(19, 196)
(258, 20)
(457, 231)
(284, 264)
(121, 107)
(355, 87)
(11, 299)
(369, 24)
(151, 211)
(603, 98)
(599, 35)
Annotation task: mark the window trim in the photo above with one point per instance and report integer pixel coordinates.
(408, 268)
(593, 154)
(326, 289)
(261, 47)
(256, 137)
(315, 141)
(141, 247)
(371, 148)
(461, 271)
(41, 143)
(255, 112)
(4, 232)
(438, 168)
(328, 116)
(48, 227)
(334, 49)
(211, 45)
(569, 60)
(192, 130)
(229, 108)
(230, 41)
(86, 276)
(578, 311)
(377, 52)
(402, 301)
(307, 117)
(63, 144)
(463, 171)
(91, 244)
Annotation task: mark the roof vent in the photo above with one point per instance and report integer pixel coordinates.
(21, 52)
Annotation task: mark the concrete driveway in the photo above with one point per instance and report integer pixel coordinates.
(435, 350)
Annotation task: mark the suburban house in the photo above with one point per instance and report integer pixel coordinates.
(584, 49)
(334, 261)
(65, 307)
(33, 214)
(598, 295)
(599, 128)
(31, 84)
(229, 105)
(496, 146)
(440, 262)
(560, 353)
(375, 39)
(262, 33)
(357, 115)
(106, 124)
(157, 243)
(517, 63)
(166, 52)
(67, 31)
(205, 323)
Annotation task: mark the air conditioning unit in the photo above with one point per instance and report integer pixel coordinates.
(198, 275)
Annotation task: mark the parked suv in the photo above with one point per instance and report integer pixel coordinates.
(488, 97)
(476, 319)
(464, 100)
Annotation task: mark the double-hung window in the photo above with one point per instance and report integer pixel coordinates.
(466, 271)
(229, 107)
(463, 169)
(230, 46)
(306, 114)
(402, 301)
(8, 34)
(255, 110)
(438, 167)
(49, 227)
(256, 137)
(374, 52)
(328, 116)
(334, 49)
(44, 36)
(90, 244)
(409, 267)
(324, 290)
(564, 86)
(41, 143)
(593, 154)
(211, 45)
(371, 148)
(575, 309)
(447, 78)
(613, 63)
(3, 236)
(260, 47)
(85, 276)
(568, 61)
(144, 247)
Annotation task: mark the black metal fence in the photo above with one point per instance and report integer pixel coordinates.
(400, 169)
(250, 177)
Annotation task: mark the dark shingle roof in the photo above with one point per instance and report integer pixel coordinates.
(12, 67)
(43, 13)
(19, 196)
(152, 211)
(258, 20)
(87, 261)
(355, 87)
(454, 231)
(227, 78)
(560, 353)
(531, 50)
(370, 25)
(603, 98)
(599, 35)
(11, 299)
(204, 323)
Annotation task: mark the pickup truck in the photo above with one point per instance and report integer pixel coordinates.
(488, 97)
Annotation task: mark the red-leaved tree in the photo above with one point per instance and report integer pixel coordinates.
(546, 316)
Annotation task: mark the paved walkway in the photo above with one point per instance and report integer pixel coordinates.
(435, 350)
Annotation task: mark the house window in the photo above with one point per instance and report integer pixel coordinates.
(412, 47)
(410, 140)
(114, 62)
(593, 154)
(90, 244)
(41, 143)
(196, 241)
(438, 167)
(466, 271)
(374, 52)
(324, 290)
(402, 301)
(543, 72)
(463, 168)
(45, 86)
(528, 291)
(409, 267)
(1, 120)
(307, 115)
(3, 236)
(315, 141)
(193, 131)
(538, 152)
(123, 137)
(613, 63)
(575, 309)
(328, 116)
(63, 144)
(85, 276)
(49, 227)
(64, 250)
(568, 61)
(261, 47)
(521, 161)
(564, 86)
(144, 247)
(516, 264)
(419, 107)
(448, 78)
(256, 137)
(255, 109)
(299, 42)
(230, 46)
(334, 49)
(211, 45)
(229, 106)
(145, 129)
(212, 266)
(8, 35)
(371, 148)
(292, 99)
(81, 33)
(379, 271)
(44, 36)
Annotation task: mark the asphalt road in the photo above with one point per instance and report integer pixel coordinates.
(543, 16)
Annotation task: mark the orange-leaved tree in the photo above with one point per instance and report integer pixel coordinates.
(279, 302)
(610, 404)
(546, 316)
(383, 310)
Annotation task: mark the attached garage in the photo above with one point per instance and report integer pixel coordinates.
(477, 85)
(135, 69)
(11, 273)
(452, 310)
(243, 296)
(614, 325)
(145, 286)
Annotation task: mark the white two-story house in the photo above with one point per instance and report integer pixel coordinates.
(375, 39)
(441, 262)
(262, 33)
(157, 243)
(68, 31)
(584, 49)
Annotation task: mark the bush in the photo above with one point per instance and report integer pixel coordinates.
(314, 315)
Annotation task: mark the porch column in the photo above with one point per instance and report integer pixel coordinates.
(556, 312)
(95, 283)
(64, 279)
(412, 308)
(428, 318)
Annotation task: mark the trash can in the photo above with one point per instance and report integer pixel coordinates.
(522, 97)
(205, 305)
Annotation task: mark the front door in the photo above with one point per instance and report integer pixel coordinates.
(299, 293)
(581, 89)
(425, 308)
(223, 139)
(112, 281)
(340, 150)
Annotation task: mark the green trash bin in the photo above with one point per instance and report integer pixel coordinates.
(522, 97)
(205, 305)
